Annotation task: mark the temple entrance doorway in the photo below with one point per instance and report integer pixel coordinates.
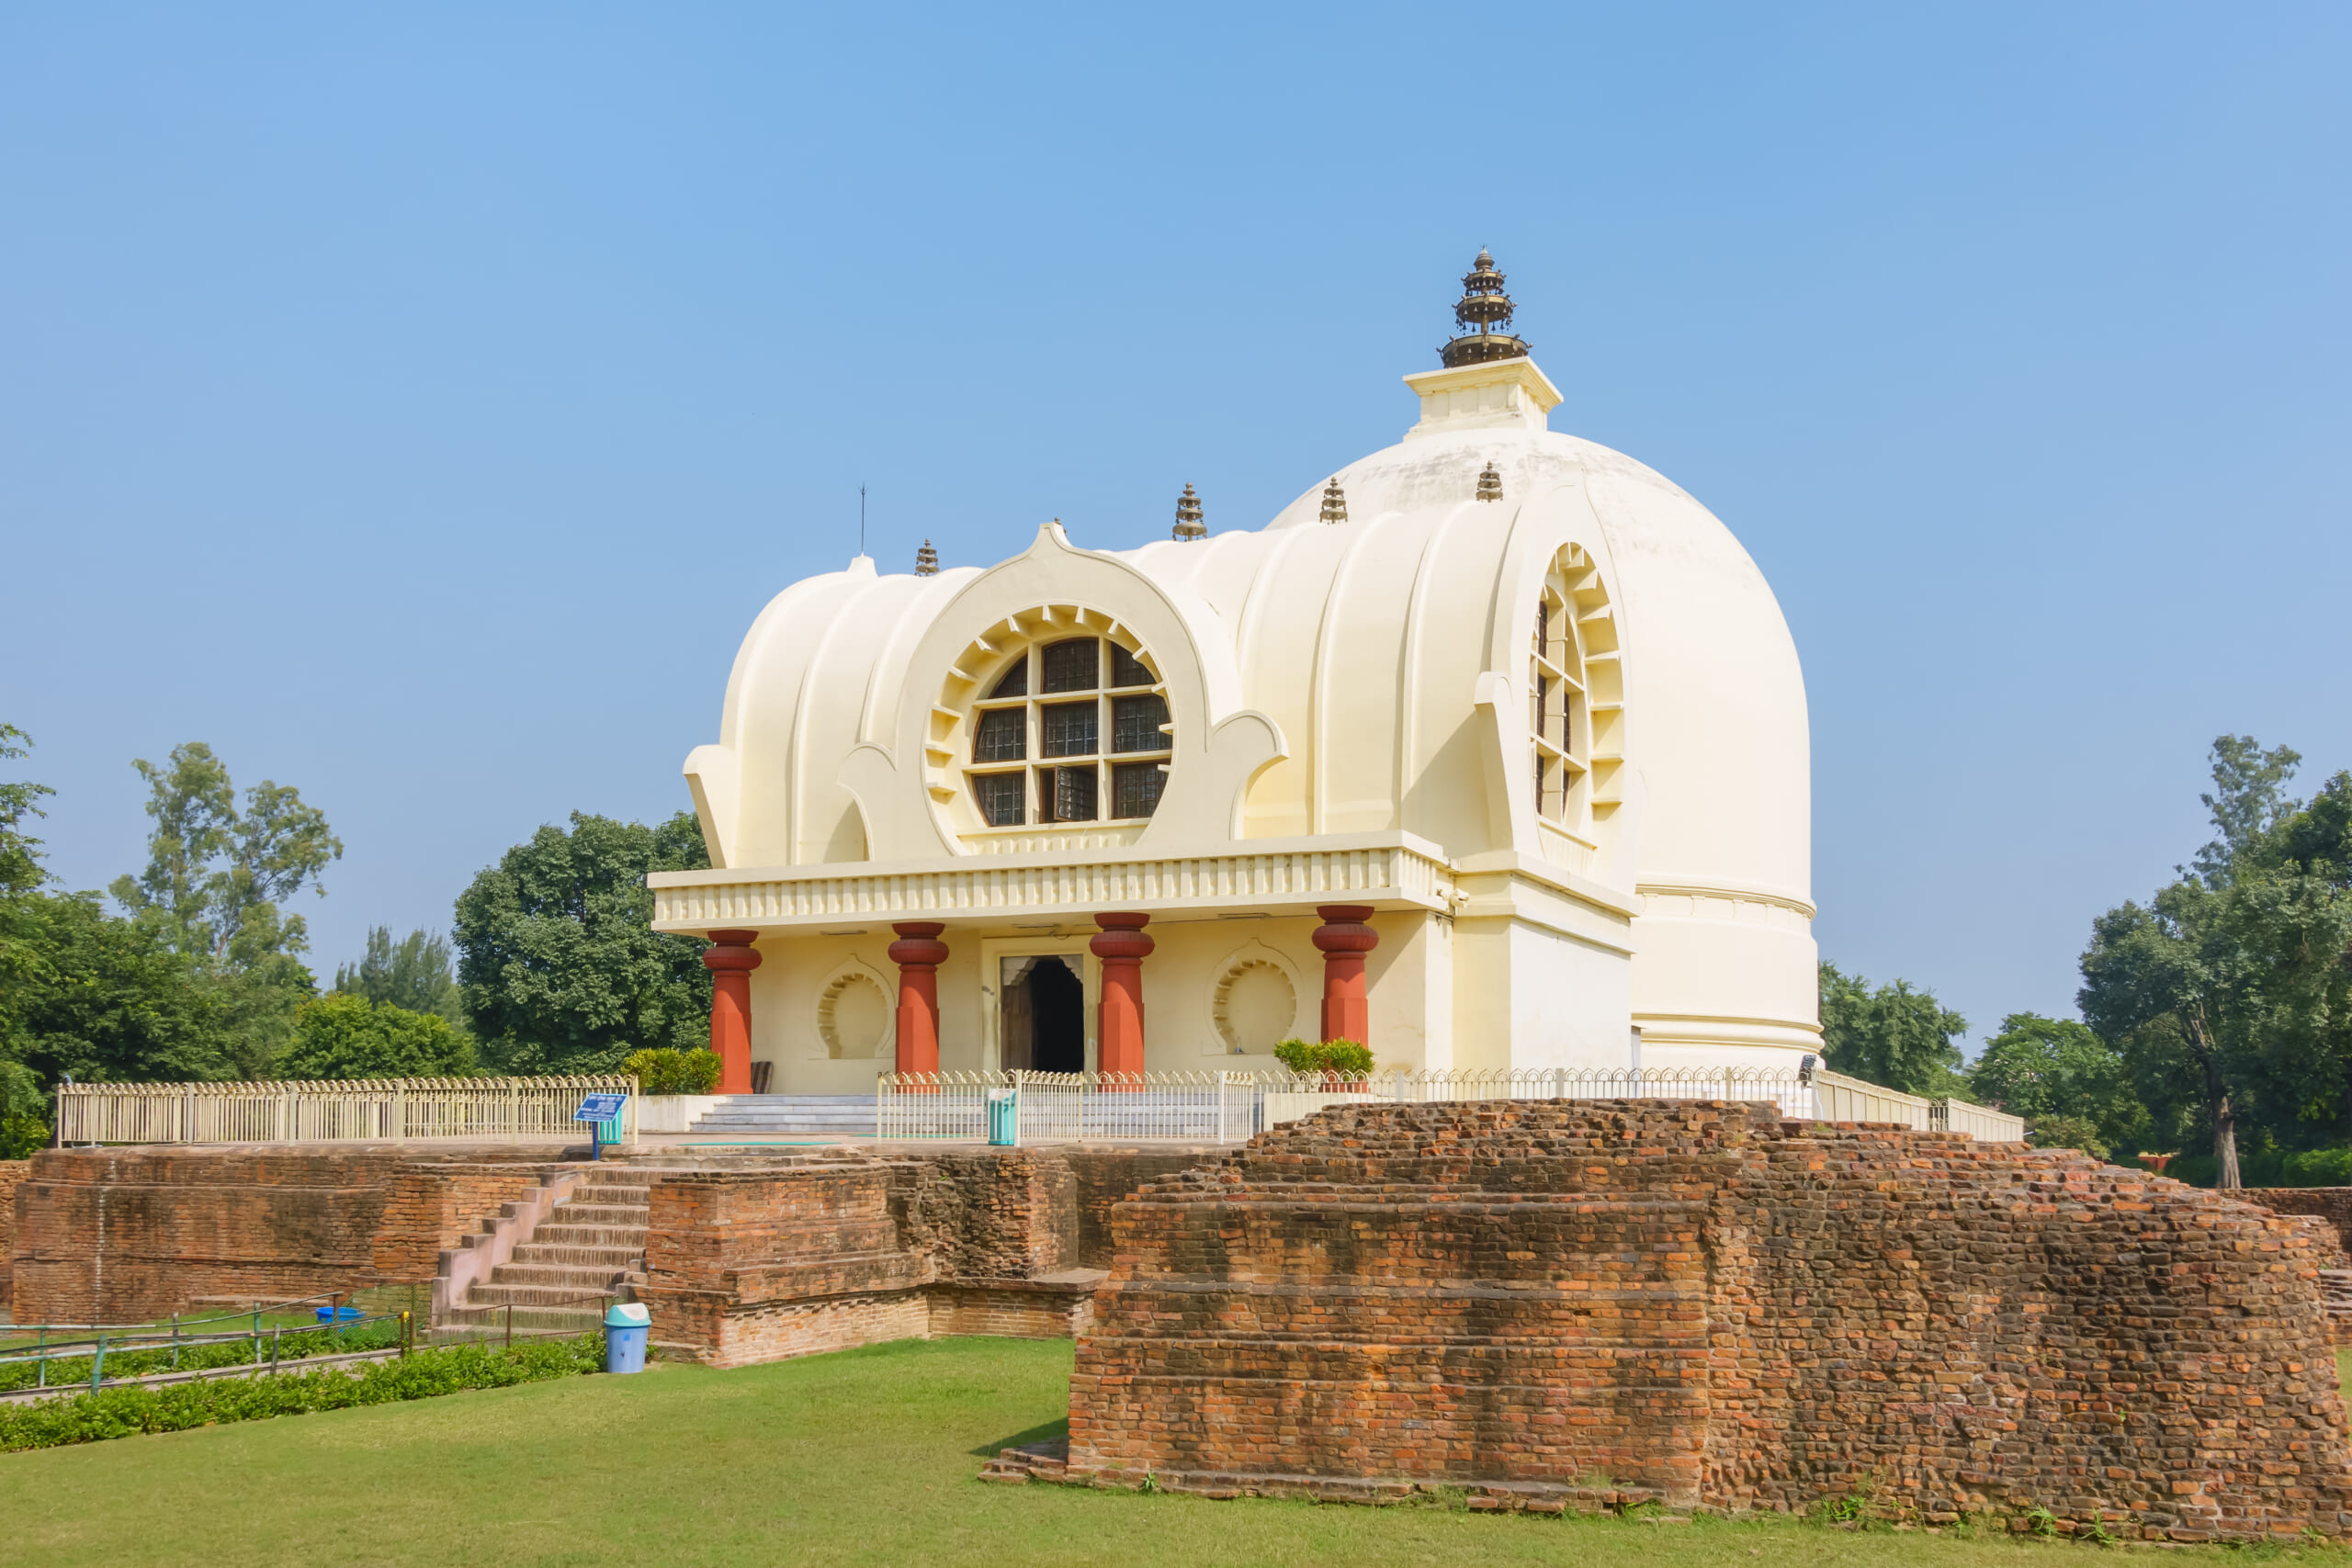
(1042, 1015)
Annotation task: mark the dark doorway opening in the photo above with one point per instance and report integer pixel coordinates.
(1058, 1018)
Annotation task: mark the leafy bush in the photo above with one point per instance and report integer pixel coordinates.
(342, 1036)
(664, 1071)
(293, 1345)
(1332, 1058)
(2066, 1133)
(124, 1412)
(2318, 1168)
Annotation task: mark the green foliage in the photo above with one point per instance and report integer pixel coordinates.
(664, 1071)
(20, 867)
(413, 973)
(1894, 1036)
(2074, 1089)
(341, 1036)
(2067, 1133)
(292, 1345)
(215, 874)
(24, 1111)
(558, 970)
(126, 1412)
(1337, 1058)
(107, 999)
(2228, 993)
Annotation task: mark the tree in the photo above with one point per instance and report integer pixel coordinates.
(215, 874)
(20, 867)
(2230, 987)
(2074, 1089)
(85, 993)
(558, 967)
(341, 1037)
(1896, 1036)
(413, 973)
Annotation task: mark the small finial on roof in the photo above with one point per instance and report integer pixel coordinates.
(1491, 482)
(1188, 516)
(926, 560)
(1482, 320)
(1334, 501)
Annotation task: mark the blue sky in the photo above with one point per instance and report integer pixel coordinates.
(418, 407)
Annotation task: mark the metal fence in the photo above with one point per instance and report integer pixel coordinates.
(1228, 1107)
(360, 1110)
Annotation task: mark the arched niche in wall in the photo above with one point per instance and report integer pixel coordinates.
(1255, 1002)
(856, 1018)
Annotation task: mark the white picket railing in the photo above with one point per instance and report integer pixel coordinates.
(355, 1110)
(1226, 1107)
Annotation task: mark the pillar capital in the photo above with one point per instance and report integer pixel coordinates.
(731, 949)
(1120, 937)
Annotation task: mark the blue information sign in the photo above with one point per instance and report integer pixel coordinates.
(600, 1108)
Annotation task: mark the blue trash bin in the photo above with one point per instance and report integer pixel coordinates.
(626, 1324)
(1004, 1117)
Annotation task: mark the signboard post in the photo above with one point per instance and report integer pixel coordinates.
(603, 1113)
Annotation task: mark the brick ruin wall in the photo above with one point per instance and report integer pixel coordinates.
(131, 1234)
(752, 1261)
(2333, 1204)
(12, 1175)
(1700, 1302)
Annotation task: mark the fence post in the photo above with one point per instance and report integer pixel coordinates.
(99, 1364)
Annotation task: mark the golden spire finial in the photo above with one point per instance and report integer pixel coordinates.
(926, 560)
(1491, 482)
(1334, 501)
(1188, 516)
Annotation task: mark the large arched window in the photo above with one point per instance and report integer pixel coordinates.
(1069, 726)
(1576, 707)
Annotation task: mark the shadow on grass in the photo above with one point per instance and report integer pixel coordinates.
(1047, 1433)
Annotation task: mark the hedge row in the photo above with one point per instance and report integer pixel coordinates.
(124, 1412)
(293, 1345)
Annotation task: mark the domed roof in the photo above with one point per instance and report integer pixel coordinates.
(1713, 689)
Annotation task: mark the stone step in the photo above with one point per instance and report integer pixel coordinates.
(636, 1217)
(604, 1194)
(543, 1252)
(557, 1276)
(555, 1233)
(499, 1295)
(536, 1320)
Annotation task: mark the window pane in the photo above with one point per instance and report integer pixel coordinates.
(1126, 670)
(1135, 788)
(998, 797)
(1543, 706)
(1136, 721)
(1066, 730)
(1074, 795)
(1073, 666)
(1003, 736)
(1014, 682)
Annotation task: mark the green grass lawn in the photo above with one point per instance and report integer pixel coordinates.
(866, 1457)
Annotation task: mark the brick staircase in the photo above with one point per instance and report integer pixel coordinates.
(591, 1244)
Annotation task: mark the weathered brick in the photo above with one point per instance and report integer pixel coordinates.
(1699, 1302)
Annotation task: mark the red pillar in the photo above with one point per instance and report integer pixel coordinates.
(730, 962)
(1344, 939)
(1122, 947)
(918, 953)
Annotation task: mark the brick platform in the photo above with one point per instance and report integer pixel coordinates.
(756, 1260)
(131, 1234)
(1552, 1300)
